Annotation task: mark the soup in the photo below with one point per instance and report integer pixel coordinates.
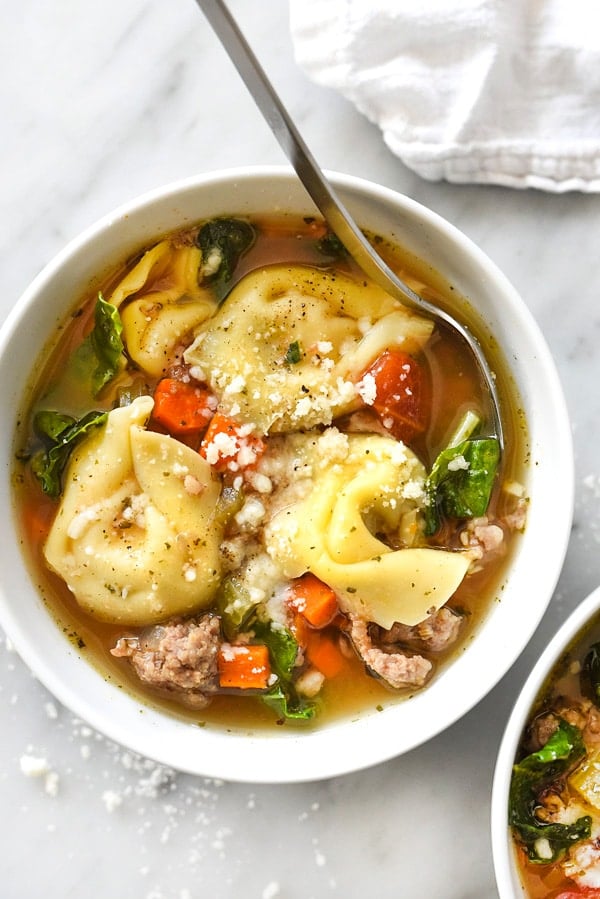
(555, 787)
(256, 489)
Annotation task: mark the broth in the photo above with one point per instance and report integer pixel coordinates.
(452, 386)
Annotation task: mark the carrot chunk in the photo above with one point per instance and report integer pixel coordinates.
(229, 445)
(182, 408)
(315, 600)
(244, 667)
(323, 651)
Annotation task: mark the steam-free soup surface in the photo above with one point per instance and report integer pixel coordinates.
(255, 489)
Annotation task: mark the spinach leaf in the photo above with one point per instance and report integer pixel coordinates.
(534, 772)
(52, 424)
(238, 613)
(223, 241)
(100, 356)
(289, 707)
(331, 245)
(107, 343)
(283, 648)
(591, 667)
(62, 433)
(283, 652)
(460, 482)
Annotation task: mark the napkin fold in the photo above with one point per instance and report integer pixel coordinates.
(483, 91)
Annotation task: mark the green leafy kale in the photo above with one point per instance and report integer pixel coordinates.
(532, 774)
(100, 356)
(226, 240)
(61, 433)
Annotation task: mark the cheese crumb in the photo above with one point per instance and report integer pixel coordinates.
(33, 766)
(367, 389)
(51, 710)
(111, 800)
(37, 766)
(459, 463)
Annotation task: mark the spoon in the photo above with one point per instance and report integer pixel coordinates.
(325, 198)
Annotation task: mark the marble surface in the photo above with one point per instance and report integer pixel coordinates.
(98, 104)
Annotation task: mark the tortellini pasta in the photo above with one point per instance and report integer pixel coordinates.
(285, 349)
(160, 301)
(332, 531)
(135, 536)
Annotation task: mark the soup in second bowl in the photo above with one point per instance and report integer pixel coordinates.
(555, 787)
(255, 488)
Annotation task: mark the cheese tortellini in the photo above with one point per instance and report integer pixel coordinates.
(332, 531)
(135, 537)
(160, 301)
(285, 349)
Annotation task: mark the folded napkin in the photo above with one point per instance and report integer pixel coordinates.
(487, 91)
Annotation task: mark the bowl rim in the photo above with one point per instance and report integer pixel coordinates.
(504, 867)
(227, 763)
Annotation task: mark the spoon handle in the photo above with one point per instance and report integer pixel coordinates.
(322, 193)
(306, 167)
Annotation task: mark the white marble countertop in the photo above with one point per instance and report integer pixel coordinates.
(97, 104)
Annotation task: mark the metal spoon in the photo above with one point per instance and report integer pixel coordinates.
(323, 195)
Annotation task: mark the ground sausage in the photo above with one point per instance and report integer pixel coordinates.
(435, 633)
(584, 715)
(398, 669)
(483, 539)
(177, 657)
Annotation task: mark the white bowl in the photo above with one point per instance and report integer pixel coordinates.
(507, 875)
(289, 755)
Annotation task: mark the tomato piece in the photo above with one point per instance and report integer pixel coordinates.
(401, 394)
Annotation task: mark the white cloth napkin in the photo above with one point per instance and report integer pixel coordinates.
(487, 91)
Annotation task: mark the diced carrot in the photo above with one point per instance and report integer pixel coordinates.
(230, 445)
(315, 600)
(244, 667)
(402, 397)
(323, 651)
(182, 408)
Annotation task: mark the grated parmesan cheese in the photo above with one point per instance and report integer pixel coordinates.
(367, 389)
(459, 463)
